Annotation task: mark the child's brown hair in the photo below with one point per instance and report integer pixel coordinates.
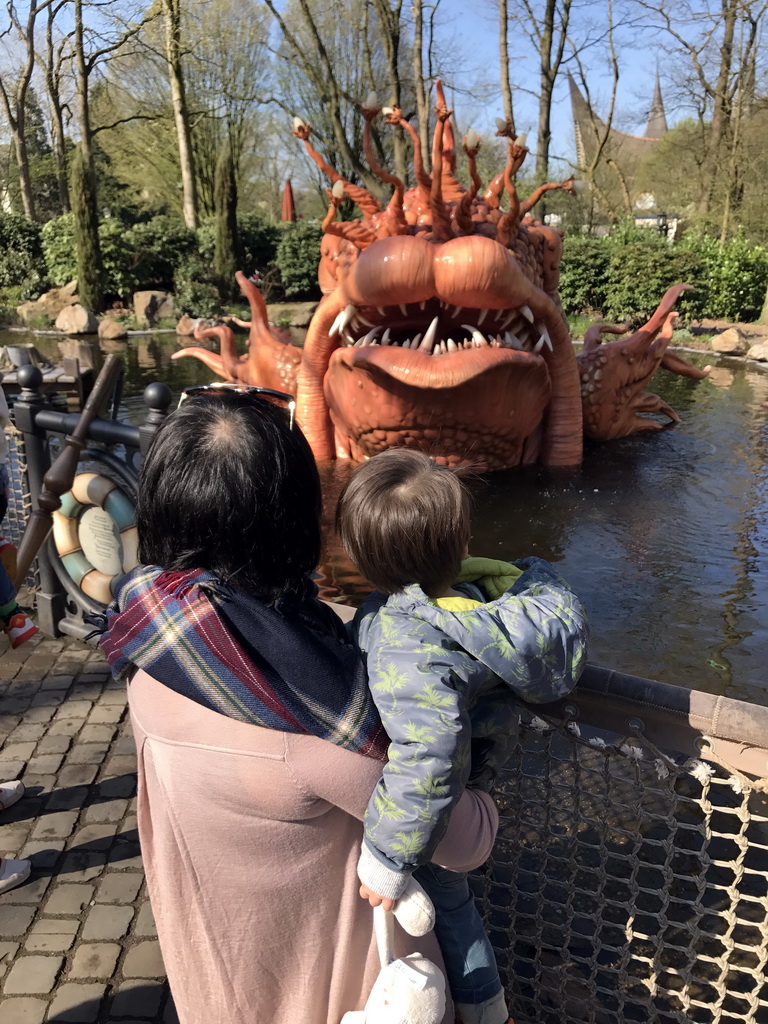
(403, 519)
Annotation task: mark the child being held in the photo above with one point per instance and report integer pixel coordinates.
(450, 642)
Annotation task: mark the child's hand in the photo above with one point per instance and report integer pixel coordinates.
(374, 899)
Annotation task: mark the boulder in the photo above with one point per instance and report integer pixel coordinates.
(149, 307)
(759, 352)
(110, 328)
(77, 320)
(302, 314)
(731, 342)
(49, 305)
(186, 325)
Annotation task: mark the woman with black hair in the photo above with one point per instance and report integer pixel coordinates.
(258, 743)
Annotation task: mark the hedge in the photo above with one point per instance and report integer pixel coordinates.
(625, 275)
(22, 266)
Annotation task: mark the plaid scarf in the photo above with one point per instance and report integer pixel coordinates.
(287, 666)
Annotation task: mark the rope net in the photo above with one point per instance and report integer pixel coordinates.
(627, 884)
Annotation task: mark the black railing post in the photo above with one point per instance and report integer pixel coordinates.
(49, 598)
(157, 398)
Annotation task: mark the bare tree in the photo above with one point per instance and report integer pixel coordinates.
(506, 88)
(721, 42)
(173, 50)
(14, 94)
(546, 24)
(53, 60)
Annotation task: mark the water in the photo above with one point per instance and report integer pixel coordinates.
(664, 536)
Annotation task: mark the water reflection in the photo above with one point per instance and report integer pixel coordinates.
(665, 536)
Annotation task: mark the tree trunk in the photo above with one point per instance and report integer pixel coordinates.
(389, 27)
(721, 113)
(172, 11)
(506, 89)
(90, 278)
(59, 152)
(422, 97)
(83, 190)
(225, 257)
(22, 162)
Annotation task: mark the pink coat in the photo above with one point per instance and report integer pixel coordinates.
(250, 839)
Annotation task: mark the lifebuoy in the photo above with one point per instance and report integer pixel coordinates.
(96, 524)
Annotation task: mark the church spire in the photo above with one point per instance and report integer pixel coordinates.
(657, 120)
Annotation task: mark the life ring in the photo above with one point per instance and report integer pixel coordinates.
(95, 535)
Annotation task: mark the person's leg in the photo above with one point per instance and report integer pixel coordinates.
(12, 872)
(470, 965)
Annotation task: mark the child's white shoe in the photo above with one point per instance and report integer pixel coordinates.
(13, 873)
(414, 910)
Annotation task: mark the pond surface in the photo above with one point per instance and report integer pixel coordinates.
(664, 536)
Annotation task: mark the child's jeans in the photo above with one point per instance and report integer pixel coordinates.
(7, 593)
(470, 965)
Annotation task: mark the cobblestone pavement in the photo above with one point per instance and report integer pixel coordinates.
(77, 941)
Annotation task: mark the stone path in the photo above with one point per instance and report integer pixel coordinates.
(77, 941)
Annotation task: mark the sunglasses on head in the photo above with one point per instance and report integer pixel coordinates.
(279, 398)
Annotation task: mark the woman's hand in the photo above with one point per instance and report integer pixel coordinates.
(374, 899)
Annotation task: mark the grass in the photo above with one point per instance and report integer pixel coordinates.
(578, 325)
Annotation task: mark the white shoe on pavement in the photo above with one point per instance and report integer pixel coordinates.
(13, 873)
(10, 792)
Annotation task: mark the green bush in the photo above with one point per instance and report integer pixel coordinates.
(734, 276)
(258, 242)
(298, 256)
(195, 293)
(158, 248)
(21, 256)
(583, 272)
(638, 275)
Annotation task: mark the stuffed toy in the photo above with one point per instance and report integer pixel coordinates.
(411, 989)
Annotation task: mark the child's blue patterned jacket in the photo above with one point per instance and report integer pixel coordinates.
(445, 683)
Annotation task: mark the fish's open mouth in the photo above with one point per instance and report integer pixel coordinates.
(436, 328)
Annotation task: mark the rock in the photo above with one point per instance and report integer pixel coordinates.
(149, 307)
(109, 329)
(302, 314)
(731, 342)
(46, 308)
(186, 325)
(759, 352)
(77, 320)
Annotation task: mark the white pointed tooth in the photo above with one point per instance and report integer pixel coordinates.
(507, 319)
(403, 310)
(297, 123)
(347, 338)
(348, 316)
(512, 341)
(451, 345)
(482, 316)
(406, 343)
(456, 312)
(363, 320)
(416, 343)
(495, 343)
(381, 310)
(336, 325)
(545, 335)
(538, 346)
(384, 337)
(370, 336)
(526, 311)
(423, 305)
(431, 334)
(443, 349)
(360, 342)
(477, 336)
(338, 189)
(500, 124)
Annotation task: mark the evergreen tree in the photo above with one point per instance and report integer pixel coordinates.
(226, 248)
(90, 272)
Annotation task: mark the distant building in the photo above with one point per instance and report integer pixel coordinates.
(617, 181)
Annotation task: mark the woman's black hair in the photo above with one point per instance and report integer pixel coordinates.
(227, 486)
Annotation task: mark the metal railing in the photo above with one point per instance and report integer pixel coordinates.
(114, 450)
